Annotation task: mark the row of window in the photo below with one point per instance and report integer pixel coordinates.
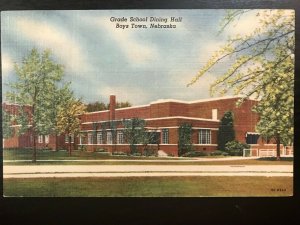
(41, 139)
(204, 137)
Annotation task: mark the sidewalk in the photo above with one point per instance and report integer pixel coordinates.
(145, 170)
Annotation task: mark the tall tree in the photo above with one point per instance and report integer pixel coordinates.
(226, 131)
(7, 130)
(37, 76)
(261, 65)
(185, 139)
(134, 131)
(68, 121)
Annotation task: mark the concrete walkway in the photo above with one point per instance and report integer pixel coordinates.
(141, 160)
(31, 171)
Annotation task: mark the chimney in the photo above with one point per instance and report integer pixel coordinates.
(112, 107)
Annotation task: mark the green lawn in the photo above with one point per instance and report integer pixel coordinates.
(79, 155)
(26, 154)
(149, 186)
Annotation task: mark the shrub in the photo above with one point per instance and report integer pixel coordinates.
(149, 152)
(119, 153)
(136, 154)
(82, 148)
(101, 150)
(235, 148)
(194, 154)
(218, 152)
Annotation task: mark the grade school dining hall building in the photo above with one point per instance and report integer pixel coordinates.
(162, 117)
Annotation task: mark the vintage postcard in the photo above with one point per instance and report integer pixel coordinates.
(148, 103)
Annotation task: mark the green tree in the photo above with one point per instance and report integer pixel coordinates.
(7, 119)
(37, 76)
(226, 131)
(185, 139)
(68, 121)
(134, 131)
(261, 65)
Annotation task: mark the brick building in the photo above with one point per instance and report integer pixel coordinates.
(164, 117)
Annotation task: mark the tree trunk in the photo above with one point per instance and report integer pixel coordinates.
(34, 147)
(56, 142)
(278, 147)
(70, 145)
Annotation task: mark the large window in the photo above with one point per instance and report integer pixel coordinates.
(67, 138)
(99, 138)
(90, 138)
(252, 138)
(46, 139)
(165, 136)
(40, 139)
(204, 136)
(120, 137)
(109, 137)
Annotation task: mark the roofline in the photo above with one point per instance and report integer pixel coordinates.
(176, 101)
(182, 117)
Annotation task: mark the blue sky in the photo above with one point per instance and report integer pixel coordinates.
(138, 65)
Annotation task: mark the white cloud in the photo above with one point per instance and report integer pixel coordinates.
(61, 44)
(134, 49)
(7, 64)
(134, 95)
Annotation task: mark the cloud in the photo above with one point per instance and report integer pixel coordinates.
(7, 64)
(62, 45)
(135, 49)
(134, 95)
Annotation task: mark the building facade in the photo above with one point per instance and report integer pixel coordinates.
(162, 117)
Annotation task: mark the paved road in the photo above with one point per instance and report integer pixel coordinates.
(144, 170)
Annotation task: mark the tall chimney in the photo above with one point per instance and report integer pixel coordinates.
(112, 107)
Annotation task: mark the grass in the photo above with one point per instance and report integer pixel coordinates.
(26, 154)
(63, 155)
(149, 187)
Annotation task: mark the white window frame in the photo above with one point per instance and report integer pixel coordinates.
(90, 138)
(99, 138)
(40, 139)
(120, 137)
(204, 136)
(67, 138)
(109, 139)
(47, 138)
(165, 136)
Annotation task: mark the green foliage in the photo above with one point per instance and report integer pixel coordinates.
(194, 154)
(219, 153)
(235, 148)
(68, 121)
(6, 124)
(37, 82)
(134, 132)
(185, 139)
(99, 106)
(226, 131)
(263, 67)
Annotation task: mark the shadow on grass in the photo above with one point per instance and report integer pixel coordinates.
(289, 159)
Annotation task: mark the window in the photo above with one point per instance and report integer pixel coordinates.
(109, 137)
(120, 137)
(204, 136)
(165, 136)
(46, 139)
(252, 138)
(90, 138)
(67, 138)
(99, 138)
(80, 140)
(40, 139)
